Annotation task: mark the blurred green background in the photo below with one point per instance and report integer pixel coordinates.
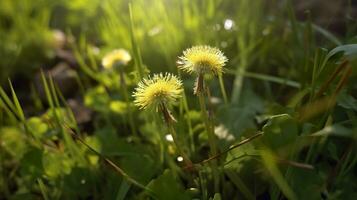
(285, 62)
(32, 32)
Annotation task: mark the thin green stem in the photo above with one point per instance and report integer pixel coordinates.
(189, 122)
(313, 78)
(200, 91)
(42, 189)
(164, 155)
(223, 90)
(265, 77)
(170, 126)
(208, 127)
(186, 159)
(239, 183)
(128, 104)
(162, 144)
(135, 47)
(203, 184)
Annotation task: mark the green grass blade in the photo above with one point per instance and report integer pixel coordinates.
(269, 78)
(18, 107)
(43, 189)
(270, 164)
(7, 111)
(8, 102)
(237, 181)
(327, 34)
(123, 190)
(135, 47)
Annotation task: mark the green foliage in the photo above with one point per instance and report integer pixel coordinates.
(292, 81)
(26, 39)
(166, 187)
(279, 131)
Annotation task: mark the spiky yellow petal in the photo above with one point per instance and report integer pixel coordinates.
(158, 89)
(202, 59)
(114, 57)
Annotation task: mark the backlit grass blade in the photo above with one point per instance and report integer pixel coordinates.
(135, 47)
(270, 164)
(238, 182)
(18, 109)
(9, 113)
(123, 190)
(9, 104)
(43, 189)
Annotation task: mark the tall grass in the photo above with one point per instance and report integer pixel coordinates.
(289, 81)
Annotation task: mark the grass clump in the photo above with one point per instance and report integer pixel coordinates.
(260, 104)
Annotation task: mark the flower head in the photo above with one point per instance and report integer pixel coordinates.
(202, 59)
(115, 57)
(159, 89)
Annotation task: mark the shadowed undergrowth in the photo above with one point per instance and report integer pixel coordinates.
(275, 120)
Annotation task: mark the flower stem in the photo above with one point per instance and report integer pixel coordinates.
(186, 159)
(209, 126)
(189, 122)
(200, 91)
(169, 120)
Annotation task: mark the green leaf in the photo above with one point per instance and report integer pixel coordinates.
(238, 118)
(238, 157)
(349, 50)
(335, 130)
(135, 159)
(37, 127)
(280, 131)
(97, 98)
(217, 196)
(78, 184)
(347, 101)
(118, 107)
(140, 166)
(310, 191)
(13, 141)
(167, 187)
(240, 167)
(56, 164)
(64, 117)
(31, 164)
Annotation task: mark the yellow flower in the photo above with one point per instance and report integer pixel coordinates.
(117, 56)
(159, 89)
(202, 59)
